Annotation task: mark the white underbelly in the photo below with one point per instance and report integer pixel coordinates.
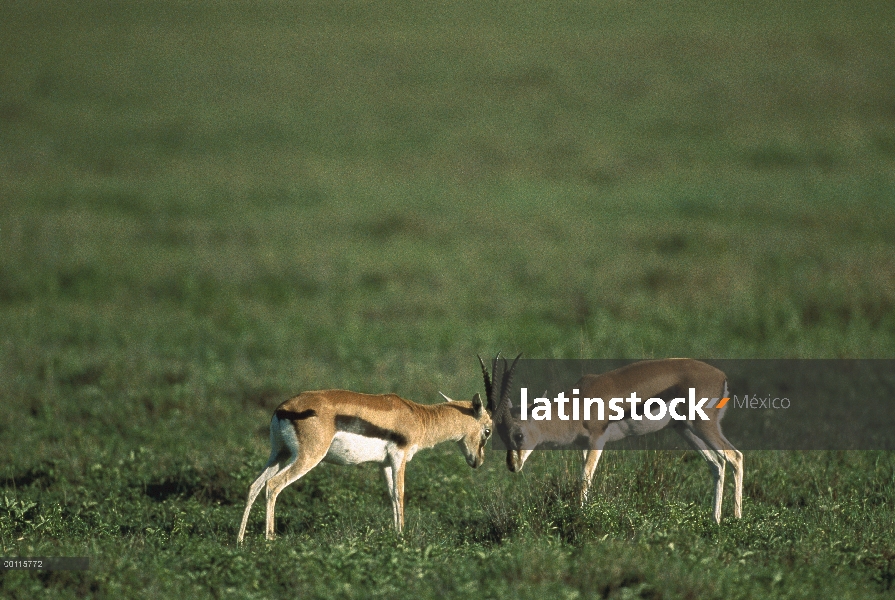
(629, 427)
(351, 449)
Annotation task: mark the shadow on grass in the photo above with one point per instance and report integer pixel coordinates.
(208, 488)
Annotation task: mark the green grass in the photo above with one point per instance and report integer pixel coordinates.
(207, 207)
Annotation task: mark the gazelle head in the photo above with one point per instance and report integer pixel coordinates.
(511, 431)
(476, 431)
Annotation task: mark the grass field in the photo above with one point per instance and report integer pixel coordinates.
(207, 207)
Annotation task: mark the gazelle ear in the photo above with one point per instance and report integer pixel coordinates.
(477, 405)
(445, 397)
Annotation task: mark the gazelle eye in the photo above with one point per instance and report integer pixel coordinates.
(487, 433)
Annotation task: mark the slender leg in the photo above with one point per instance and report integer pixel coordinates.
(710, 432)
(735, 458)
(738, 468)
(715, 460)
(719, 467)
(276, 484)
(271, 469)
(399, 492)
(308, 443)
(388, 472)
(591, 458)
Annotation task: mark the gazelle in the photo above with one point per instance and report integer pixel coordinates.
(665, 379)
(348, 428)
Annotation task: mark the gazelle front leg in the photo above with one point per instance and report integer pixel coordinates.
(735, 458)
(398, 492)
(388, 473)
(591, 458)
(717, 464)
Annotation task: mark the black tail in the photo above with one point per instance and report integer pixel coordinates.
(282, 413)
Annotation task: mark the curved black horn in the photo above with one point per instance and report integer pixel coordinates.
(507, 380)
(489, 388)
(495, 392)
(503, 405)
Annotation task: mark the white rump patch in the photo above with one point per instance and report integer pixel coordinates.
(283, 433)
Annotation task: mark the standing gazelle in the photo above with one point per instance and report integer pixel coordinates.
(664, 379)
(348, 428)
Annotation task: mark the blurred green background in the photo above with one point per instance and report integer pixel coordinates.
(206, 207)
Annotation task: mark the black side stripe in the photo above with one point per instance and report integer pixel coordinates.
(352, 424)
(282, 413)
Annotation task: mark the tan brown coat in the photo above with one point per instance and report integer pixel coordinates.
(346, 428)
(666, 379)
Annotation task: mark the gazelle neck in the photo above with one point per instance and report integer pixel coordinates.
(443, 422)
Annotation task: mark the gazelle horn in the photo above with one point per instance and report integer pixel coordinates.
(489, 390)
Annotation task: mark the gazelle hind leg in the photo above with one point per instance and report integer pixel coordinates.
(283, 479)
(716, 462)
(271, 469)
(315, 441)
(735, 458)
(278, 456)
(716, 441)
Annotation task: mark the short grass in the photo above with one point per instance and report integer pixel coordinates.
(205, 207)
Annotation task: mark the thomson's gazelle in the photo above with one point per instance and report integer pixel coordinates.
(666, 379)
(348, 428)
